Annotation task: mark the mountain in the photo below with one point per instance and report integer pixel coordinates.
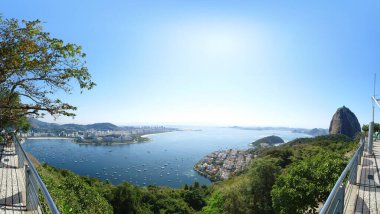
(344, 121)
(37, 124)
(268, 141)
(318, 132)
(40, 125)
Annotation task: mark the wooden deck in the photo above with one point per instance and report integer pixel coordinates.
(364, 197)
(12, 185)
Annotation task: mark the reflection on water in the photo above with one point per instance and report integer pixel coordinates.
(166, 160)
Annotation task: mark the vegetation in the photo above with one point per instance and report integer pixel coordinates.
(33, 68)
(79, 194)
(72, 193)
(293, 178)
(376, 128)
(270, 141)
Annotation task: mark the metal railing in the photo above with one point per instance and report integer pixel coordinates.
(38, 199)
(335, 203)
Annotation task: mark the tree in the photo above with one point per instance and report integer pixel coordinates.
(215, 204)
(126, 199)
(376, 127)
(262, 176)
(34, 66)
(194, 198)
(365, 128)
(11, 118)
(306, 183)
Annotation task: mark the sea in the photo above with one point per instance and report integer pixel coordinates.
(166, 160)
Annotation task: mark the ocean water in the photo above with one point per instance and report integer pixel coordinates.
(166, 160)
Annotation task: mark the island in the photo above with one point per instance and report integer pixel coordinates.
(266, 142)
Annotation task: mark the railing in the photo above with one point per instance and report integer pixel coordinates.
(34, 186)
(336, 201)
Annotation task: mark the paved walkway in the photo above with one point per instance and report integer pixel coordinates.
(365, 196)
(12, 186)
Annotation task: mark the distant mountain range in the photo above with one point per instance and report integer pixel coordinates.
(312, 132)
(40, 125)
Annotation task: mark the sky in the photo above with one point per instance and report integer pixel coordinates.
(247, 63)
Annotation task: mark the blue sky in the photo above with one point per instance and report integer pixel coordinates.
(251, 63)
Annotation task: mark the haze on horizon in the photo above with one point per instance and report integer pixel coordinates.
(248, 63)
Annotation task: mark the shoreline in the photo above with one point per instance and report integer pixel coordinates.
(152, 134)
(147, 135)
(48, 138)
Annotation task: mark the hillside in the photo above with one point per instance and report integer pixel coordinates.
(291, 178)
(40, 125)
(79, 194)
(268, 141)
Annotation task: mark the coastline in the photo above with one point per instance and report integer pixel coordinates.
(148, 135)
(48, 138)
(143, 139)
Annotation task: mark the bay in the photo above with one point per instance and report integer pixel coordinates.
(166, 160)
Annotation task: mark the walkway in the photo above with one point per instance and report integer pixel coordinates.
(365, 196)
(12, 185)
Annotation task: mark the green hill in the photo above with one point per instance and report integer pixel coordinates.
(40, 125)
(268, 141)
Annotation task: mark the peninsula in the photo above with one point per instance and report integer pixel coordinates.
(221, 165)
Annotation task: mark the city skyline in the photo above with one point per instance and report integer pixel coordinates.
(246, 63)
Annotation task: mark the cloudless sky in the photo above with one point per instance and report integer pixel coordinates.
(250, 63)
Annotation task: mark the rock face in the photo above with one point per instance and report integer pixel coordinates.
(344, 122)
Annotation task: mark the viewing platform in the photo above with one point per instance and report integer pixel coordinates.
(21, 188)
(12, 185)
(364, 196)
(357, 190)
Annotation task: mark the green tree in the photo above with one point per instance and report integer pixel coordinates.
(215, 204)
(376, 127)
(262, 177)
(306, 183)
(365, 128)
(34, 66)
(126, 199)
(12, 118)
(194, 198)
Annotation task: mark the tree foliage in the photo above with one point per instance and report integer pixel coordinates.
(365, 128)
(215, 204)
(307, 183)
(262, 175)
(292, 178)
(14, 119)
(33, 67)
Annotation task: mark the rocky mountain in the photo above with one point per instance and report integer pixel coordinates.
(344, 122)
(268, 141)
